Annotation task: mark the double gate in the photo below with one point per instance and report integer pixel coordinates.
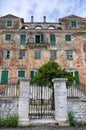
(41, 103)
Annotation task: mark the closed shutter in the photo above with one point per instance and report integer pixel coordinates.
(68, 37)
(21, 74)
(77, 78)
(52, 40)
(42, 38)
(4, 77)
(23, 39)
(31, 76)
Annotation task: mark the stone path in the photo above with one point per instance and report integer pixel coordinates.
(45, 128)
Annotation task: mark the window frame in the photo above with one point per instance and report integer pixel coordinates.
(2, 81)
(22, 56)
(52, 42)
(22, 71)
(75, 73)
(37, 55)
(53, 55)
(41, 38)
(6, 54)
(23, 42)
(69, 55)
(9, 23)
(32, 74)
(73, 23)
(68, 37)
(8, 37)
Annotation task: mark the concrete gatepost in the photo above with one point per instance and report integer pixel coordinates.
(24, 102)
(60, 94)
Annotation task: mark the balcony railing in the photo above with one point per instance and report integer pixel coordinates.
(37, 45)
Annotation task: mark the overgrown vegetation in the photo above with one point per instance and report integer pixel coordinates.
(73, 122)
(71, 119)
(10, 121)
(49, 71)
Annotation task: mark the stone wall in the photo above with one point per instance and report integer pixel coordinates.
(78, 108)
(8, 106)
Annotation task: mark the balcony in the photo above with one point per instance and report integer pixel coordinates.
(38, 44)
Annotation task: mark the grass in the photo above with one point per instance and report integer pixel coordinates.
(10, 121)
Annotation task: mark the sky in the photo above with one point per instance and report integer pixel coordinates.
(52, 9)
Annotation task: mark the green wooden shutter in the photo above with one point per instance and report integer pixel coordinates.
(73, 23)
(31, 76)
(77, 78)
(68, 37)
(4, 77)
(52, 40)
(42, 38)
(23, 39)
(8, 37)
(21, 74)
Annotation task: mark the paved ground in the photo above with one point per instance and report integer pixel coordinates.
(55, 127)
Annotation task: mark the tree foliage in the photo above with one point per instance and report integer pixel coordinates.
(49, 71)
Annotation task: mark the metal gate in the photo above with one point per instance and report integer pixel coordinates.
(41, 103)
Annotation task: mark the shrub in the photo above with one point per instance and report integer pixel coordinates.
(71, 119)
(10, 121)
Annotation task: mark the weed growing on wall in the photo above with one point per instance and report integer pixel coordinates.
(10, 121)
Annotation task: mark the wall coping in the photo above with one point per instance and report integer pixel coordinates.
(24, 79)
(78, 100)
(59, 79)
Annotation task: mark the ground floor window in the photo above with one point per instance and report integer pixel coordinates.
(76, 75)
(4, 77)
(32, 74)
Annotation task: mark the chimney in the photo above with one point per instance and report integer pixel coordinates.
(44, 19)
(31, 19)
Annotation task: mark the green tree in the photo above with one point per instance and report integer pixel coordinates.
(49, 71)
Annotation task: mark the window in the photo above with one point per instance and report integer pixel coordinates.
(4, 77)
(9, 23)
(21, 74)
(6, 54)
(23, 39)
(77, 78)
(52, 40)
(76, 75)
(8, 37)
(37, 55)
(32, 74)
(53, 55)
(21, 54)
(69, 55)
(51, 27)
(68, 37)
(39, 38)
(73, 23)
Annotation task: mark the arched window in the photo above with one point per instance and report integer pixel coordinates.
(24, 27)
(38, 27)
(51, 27)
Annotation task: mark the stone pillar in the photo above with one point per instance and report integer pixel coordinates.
(60, 94)
(24, 102)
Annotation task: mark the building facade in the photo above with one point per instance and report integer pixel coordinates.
(25, 46)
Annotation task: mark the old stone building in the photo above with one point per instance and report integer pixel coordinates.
(25, 46)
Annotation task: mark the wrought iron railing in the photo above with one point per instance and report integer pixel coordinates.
(77, 91)
(10, 89)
